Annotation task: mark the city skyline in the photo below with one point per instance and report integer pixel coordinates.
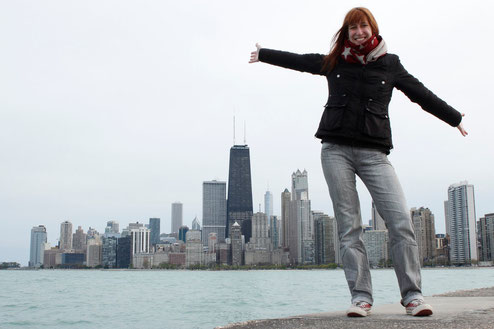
(98, 124)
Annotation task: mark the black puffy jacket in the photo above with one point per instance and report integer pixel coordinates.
(356, 112)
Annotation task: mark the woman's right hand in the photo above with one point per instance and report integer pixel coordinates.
(254, 56)
(460, 127)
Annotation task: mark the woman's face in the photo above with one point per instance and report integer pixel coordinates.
(359, 33)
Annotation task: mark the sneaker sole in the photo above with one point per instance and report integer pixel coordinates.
(354, 314)
(422, 310)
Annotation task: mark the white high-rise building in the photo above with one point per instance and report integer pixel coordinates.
(66, 235)
(177, 216)
(38, 240)
(213, 210)
(461, 224)
(140, 238)
(268, 204)
(301, 227)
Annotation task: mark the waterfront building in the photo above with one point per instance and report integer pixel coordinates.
(71, 259)
(301, 228)
(425, 233)
(212, 242)
(196, 226)
(377, 246)
(182, 233)
(258, 250)
(79, 240)
(461, 223)
(274, 231)
(377, 221)
(124, 251)
(214, 210)
(38, 240)
(93, 253)
(236, 244)
(66, 235)
(109, 251)
(441, 253)
(140, 238)
(225, 252)
(324, 238)
(286, 198)
(486, 237)
(239, 202)
(177, 216)
(193, 248)
(154, 227)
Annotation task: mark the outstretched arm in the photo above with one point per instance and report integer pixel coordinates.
(311, 63)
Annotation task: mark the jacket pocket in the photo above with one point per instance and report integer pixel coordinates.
(334, 111)
(376, 123)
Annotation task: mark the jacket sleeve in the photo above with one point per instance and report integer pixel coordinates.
(311, 63)
(418, 93)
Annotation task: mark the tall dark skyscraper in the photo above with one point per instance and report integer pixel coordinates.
(154, 226)
(239, 203)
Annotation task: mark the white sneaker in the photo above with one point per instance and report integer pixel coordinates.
(359, 309)
(418, 307)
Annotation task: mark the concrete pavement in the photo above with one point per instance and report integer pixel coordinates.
(460, 309)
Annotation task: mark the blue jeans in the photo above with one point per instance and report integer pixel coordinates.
(341, 164)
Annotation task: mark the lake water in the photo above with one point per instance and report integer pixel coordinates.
(194, 299)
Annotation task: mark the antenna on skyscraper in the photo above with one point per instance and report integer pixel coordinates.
(245, 134)
(259, 207)
(233, 129)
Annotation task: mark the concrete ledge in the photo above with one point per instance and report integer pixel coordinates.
(462, 309)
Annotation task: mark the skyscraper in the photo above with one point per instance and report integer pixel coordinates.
(461, 223)
(154, 227)
(324, 238)
(139, 238)
(286, 198)
(239, 203)
(112, 228)
(38, 240)
(236, 244)
(79, 240)
(196, 226)
(213, 210)
(301, 228)
(268, 204)
(486, 237)
(177, 216)
(425, 233)
(66, 235)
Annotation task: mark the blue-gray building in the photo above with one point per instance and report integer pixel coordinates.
(109, 252)
(154, 227)
(38, 240)
(213, 210)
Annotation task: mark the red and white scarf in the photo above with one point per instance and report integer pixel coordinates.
(369, 51)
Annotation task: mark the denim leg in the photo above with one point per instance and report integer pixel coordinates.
(338, 168)
(380, 178)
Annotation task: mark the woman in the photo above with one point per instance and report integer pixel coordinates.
(356, 139)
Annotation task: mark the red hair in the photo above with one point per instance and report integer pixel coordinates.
(354, 16)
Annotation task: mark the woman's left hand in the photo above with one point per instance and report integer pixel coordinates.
(460, 127)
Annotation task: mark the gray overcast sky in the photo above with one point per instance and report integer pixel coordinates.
(112, 110)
